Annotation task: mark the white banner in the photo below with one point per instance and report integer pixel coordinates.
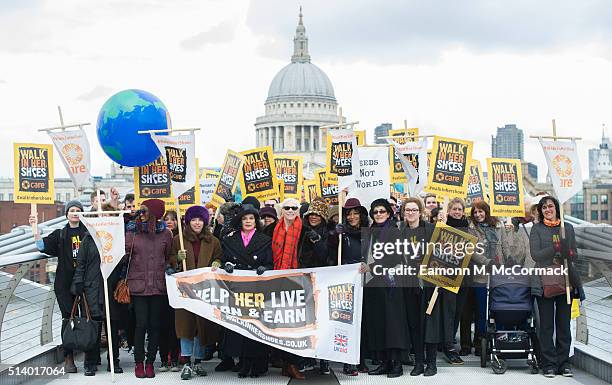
(564, 167)
(74, 150)
(344, 159)
(109, 235)
(179, 152)
(308, 312)
(207, 188)
(373, 176)
(417, 176)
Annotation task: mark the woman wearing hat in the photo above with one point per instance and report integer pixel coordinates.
(202, 249)
(148, 243)
(64, 244)
(246, 249)
(385, 300)
(270, 218)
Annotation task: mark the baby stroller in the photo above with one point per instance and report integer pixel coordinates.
(510, 332)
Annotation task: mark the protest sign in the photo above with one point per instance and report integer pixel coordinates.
(179, 152)
(476, 187)
(190, 197)
(448, 256)
(226, 185)
(310, 190)
(74, 153)
(289, 170)
(505, 187)
(342, 162)
(410, 155)
(33, 166)
(564, 167)
(449, 173)
(361, 137)
(372, 181)
(326, 189)
(404, 135)
(208, 181)
(259, 174)
(153, 181)
(308, 312)
(108, 233)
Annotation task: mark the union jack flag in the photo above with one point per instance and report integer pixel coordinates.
(340, 340)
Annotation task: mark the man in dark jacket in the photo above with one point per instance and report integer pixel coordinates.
(64, 244)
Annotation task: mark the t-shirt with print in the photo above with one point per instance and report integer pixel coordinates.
(75, 235)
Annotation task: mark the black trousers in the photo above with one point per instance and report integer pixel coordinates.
(148, 310)
(555, 316)
(461, 299)
(414, 303)
(92, 356)
(168, 343)
(65, 317)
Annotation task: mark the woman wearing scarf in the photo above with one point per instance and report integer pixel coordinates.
(548, 249)
(246, 249)
(147, 243)
(417, 230)
(385, 302)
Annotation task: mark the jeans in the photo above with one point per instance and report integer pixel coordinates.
(192, 348)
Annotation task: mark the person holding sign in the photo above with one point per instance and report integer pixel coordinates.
(148, 243)
(246, 249)
(64, 244)
(549, 249)
(88, 281)
(201, 250)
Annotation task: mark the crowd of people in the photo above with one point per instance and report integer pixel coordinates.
(271, 235)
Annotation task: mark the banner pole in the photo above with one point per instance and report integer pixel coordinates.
(340, 204)
(34, 211)
(180, 228)
(434, 296)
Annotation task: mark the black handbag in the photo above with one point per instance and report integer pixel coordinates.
(80, 333)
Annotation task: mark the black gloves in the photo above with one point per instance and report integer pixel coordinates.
(170, 270)
(313, 236)
(229, 267)
(261, 269)
(77, 288)
(340, 228)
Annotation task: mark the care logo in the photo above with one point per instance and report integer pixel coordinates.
(145, 192)
(562, 165)
(25, 185)
(73, 153)
(341, 341)
(106, 239)
(341, 300)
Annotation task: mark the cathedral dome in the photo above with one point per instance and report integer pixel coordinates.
(298, 80)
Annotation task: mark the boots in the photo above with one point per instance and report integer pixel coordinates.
(383, 368)
(149, 370)
(430, 358)
(293, 372)
(395, 369)
(418, 369)
(69, 365)
(139, 370)
(245, 368)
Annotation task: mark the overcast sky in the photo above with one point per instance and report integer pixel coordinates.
(457, 68)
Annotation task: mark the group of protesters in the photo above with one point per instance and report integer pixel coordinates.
(396, 329)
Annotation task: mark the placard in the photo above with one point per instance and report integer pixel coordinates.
(449, 173)
(476, 186)
(226, 185)
(289, 169)
(33, 182)
(153, 182)
(259, 174)
(397, 170)
(310, 190)
(208, 181)
(342, 162)
(505, 187)
(326, 189)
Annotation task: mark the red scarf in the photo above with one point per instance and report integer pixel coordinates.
(285, 244)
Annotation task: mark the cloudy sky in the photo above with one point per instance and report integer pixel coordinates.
(458, 68)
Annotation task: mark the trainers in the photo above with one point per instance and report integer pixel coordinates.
(549, 373)
(174, 366)
(453, 358)
(350, 370)
(305, 366)
(324, 367)
(164, 367)
(567, 372)
(199, 369)
(89, 370)
(187, 372)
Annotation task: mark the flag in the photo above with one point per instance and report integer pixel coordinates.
(74, 152)
(564, 168)
(179, 152)
(108, 234)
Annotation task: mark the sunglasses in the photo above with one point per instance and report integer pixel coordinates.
(294, 208)
(376, 212)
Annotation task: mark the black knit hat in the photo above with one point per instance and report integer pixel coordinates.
(73, 203)
(245, 210)
(381, 202)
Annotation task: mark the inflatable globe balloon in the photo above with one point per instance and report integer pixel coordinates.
(120, 119)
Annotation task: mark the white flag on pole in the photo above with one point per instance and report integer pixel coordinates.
(564, 167)
(417, 176)
(343, 157)
(74, 150)
(108, 234)
(373, 177)
(179, 152)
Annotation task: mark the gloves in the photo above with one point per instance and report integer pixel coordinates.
(170, 270)
(340, 228)
(182, 254)
(77, 288)
(313, 236)
(261, 269)
(216, 264)
(229, 267)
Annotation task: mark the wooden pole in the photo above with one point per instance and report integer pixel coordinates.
(434, 296)
(168, 130)
(34, 211)
(180, 228)
(340, 199)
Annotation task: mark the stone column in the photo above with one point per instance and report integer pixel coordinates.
(278, 146)
(257, 137)
(312, 138)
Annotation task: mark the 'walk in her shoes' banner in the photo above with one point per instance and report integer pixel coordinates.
(308, 312)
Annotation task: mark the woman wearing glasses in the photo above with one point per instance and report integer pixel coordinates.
(385, 302)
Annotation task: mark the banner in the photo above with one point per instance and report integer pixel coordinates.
(446, 263)
(410, 154)
(310, 190)
(259, 174)
(342, 162)
(33, 167)
(108, 233)
(476, 187)
(224, 191)
(450, 160)
(208, 181)
(74, 150)
(404, 135)
(190, 197)
(373, 179)
(505, 187)
(153, 181)
(179, 152)
(564, 168)
(289, 169)
(326, 189)
(307, 312)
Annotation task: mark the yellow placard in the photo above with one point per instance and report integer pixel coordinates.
(152, 181)
(289, 170)
(326, 189)
(226, 185)
(397, 170)
(575, 308)
(310, 190)
(339, 155)
(259, 174)
(361, 137)
(191, 197)
(449, 171)
(476, 186)
(448, 255)
(505, 187)
(33, 182)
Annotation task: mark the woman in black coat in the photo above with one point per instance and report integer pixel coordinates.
(246, 249)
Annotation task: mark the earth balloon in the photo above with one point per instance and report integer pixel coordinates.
(120, 119)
